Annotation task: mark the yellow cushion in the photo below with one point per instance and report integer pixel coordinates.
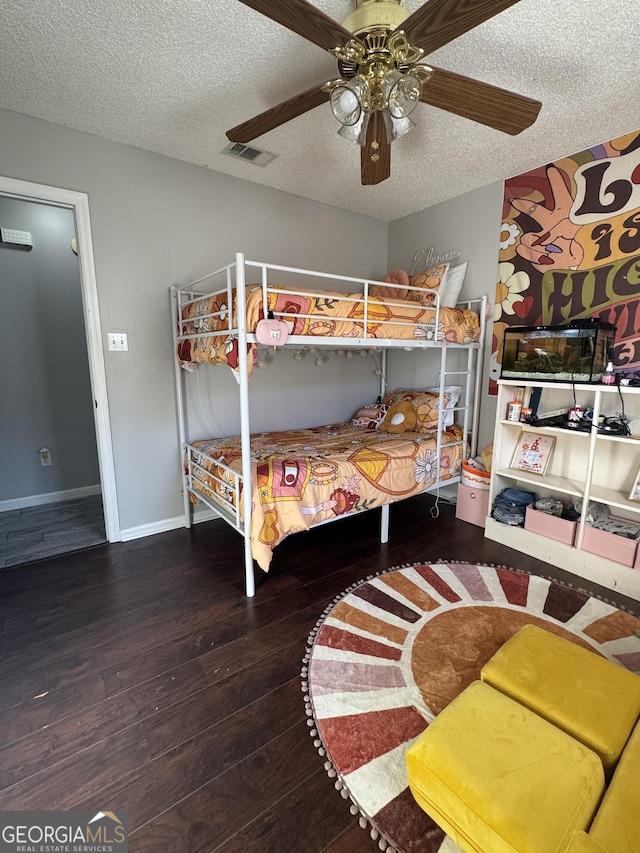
(497, 777)
(583, 843)
(617, 825)
(589, 697)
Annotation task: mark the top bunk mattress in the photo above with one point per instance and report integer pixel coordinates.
(213, 328)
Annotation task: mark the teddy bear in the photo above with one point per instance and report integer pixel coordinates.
(400, 418)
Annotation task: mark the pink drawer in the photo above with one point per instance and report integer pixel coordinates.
(472, 505)
(550, 526)
(610, 545)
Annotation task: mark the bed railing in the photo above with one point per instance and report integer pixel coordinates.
(228, 316)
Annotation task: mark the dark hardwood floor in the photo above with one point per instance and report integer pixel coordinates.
(138, 677)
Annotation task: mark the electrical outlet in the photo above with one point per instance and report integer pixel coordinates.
(45, 456)
(117, 342)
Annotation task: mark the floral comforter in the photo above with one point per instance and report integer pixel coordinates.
(302, 477)
(331, 314)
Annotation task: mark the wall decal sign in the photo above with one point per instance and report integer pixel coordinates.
(425, 258)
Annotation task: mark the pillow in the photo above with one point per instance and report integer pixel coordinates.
(397, 277)
(451, 397)
(370, 416)
(429, 283)
(400, 418)
(450, 290)
(425, 404)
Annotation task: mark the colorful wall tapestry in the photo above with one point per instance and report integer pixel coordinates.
(570, 248)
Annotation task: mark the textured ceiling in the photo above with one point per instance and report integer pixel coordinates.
(171, 76)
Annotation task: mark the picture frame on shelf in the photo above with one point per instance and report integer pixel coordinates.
(533, 452)
(635, 489)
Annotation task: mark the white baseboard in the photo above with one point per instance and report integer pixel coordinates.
(165, 525)
(49, 498)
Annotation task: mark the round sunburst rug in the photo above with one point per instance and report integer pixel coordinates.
(393, 650)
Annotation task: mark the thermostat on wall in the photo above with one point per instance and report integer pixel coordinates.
(17, 238)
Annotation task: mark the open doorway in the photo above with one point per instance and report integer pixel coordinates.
(57, 489)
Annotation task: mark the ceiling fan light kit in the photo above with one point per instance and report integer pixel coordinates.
(382, 78)
(379, 47)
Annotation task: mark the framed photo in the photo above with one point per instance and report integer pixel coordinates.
(635, 489)
(533, 452)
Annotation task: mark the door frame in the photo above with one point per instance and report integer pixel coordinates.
(79, 204)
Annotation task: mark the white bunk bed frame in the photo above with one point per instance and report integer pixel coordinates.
(234, 276)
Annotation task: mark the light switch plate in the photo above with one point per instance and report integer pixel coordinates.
(117, 342)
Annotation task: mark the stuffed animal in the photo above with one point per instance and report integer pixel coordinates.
(399, 418)
(487, 456)
(398, 277)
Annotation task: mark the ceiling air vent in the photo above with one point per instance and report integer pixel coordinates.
(251, 155)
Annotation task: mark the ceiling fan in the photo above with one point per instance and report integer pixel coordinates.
(379, 48)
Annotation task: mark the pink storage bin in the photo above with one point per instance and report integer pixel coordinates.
(550, 526)
(619, 549)
(472, 504)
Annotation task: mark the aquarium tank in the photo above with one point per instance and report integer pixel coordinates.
(577, 352)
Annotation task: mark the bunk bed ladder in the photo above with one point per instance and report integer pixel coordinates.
(467, 402)
(470, 396)
(475, 359)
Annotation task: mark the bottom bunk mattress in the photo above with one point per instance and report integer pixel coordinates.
(304, 477)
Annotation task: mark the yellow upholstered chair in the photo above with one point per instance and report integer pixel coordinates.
(482, 771)
(596, 701)
(521, 769)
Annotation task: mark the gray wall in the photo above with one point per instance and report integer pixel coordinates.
(44, 376)
(157, 222)
(470, 223)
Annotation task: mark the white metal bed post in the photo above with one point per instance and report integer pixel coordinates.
(384, 511)
(383, 372)
(179, 376)
(478, 375)
(442, 378)
(245, 430)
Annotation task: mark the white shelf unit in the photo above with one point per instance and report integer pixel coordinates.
(583, 465)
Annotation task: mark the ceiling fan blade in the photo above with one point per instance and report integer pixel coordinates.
(375, 155)
(274, 117)
(481, 102)
(305, 20)
(438, 22)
